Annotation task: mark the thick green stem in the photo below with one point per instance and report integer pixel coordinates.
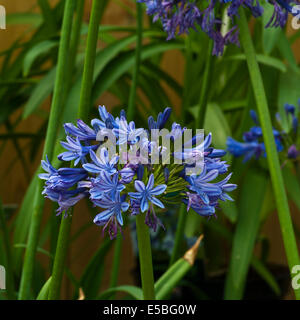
(205, 87)
(179, 234)
(145, 255)
(9, 266)
(189, 64)
(75, 38)
(83, 112)
(60, 256)
(116, 261)
(130, 116)
(88, 72)
(272, 155)
(138, 50)
(56, 106)
(74, 42)
(202, 106)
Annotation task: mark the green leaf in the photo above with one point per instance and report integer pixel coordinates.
(49, 16)
(43, 295)
(251, 202)
(159, 74)
(22, 223)
(40, 250)
(92, 276)
(125, 62)
(230, 210)
(39, 49)
(263, 59)
(42, 90)
(134, 292)
(265, 274)
(292, 185)
(294, 37)
(270, 35)
(102, 59)
(286, 51)
(24, 18)
(216, 122)
(288, 93)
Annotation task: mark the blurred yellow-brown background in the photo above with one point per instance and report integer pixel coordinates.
(13, 181)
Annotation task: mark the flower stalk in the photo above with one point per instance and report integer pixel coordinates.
(83, 112)
(58, 95)
(116, 261)
(138, 50)
(145, 256)
(205, 87)
(130, 113)
(272, 155)
(202, 106)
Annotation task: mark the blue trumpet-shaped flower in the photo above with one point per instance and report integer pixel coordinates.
(162, 118)
(82, 131)
(105, 184)
(146, 193)
(293, 153)
(75, 151)
(200, 184)
(102, 163)
(253, 145)
(65, 198)
(126, 132)
(111, 218)
(246, 149)
(195, 202)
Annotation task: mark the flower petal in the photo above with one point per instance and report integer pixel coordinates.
(139, 186)
(157, 202)
(158, 189)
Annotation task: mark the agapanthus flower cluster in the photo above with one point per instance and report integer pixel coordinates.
(286, 135)
(129, 181)
(178, 16)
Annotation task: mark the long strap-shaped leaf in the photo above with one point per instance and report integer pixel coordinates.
(272, 156)
(251, 203)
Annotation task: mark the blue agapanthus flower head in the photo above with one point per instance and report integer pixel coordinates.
(253, 145)
(179, 16)
(135, 179)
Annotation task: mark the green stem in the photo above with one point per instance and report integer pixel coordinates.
(88, 72)
(9, 266)
(205, 87)
(138, 50)
(74, 42)
(75, 38)
(202, 106)
(116, 262)
(130, 116)
(83, 112)
(60, 257)
(189, 64)
(179, 234)
(27, 273)
(145, 255)
(272, 155)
